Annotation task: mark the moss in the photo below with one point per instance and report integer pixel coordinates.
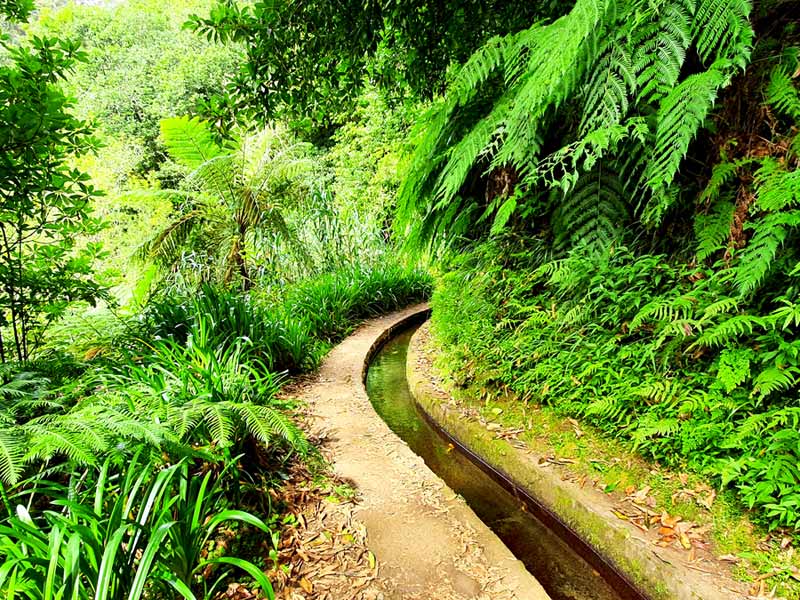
(611, 466)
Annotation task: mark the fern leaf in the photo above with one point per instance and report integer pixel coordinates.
(758, 256)
(773, 379)
(713, 230)
(680, 116)
(722, 30)
(503, 214)
(594, 213)
(782, 93)
(12, 454)
(189, 141)
(729, 330)
(660, 51)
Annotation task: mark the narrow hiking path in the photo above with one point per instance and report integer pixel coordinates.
(427, 541)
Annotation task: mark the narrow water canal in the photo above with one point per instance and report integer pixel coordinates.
(562, 572)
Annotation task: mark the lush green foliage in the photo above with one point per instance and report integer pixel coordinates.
(121, 531)
(191, 383)
(234, 202)
(45, 203)
(590, 137)
(307, 62)
(665, 355)
(140, 67)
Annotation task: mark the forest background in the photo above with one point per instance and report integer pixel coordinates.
(198, 200)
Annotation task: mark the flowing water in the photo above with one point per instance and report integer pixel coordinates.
(560, 570)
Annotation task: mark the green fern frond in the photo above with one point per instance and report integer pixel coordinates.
(594, 213)
(733, 368)
(608, 90)
(757, 258)
(50, 439)
(722, 306)
(713, 230)
(783, 94)
(729, 330)
(660, 50)
(189, 141)
(773, 379)
(723, 31)
(680, 116)
(777, 187)
(218, 420)
(264, 423)
(13, 443)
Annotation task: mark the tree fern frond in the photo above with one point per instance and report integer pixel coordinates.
(783, 94)
(164, 246)
(777, 188)
(13, 443)
(264, 423)
(593, 213)
(189, 141)
(713, 230)
(758, 256)
(217, 177)
(680, 115)
(723, 31)
(660, 50)
(608, 90)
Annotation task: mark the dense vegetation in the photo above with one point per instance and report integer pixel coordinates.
(631, 281)
(198, 200)
(147, 329)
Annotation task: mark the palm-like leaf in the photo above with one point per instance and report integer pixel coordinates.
(240, 194)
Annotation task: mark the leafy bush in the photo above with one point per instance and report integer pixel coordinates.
(592, 136)
(123, 530)
(650, 350)
(334, 303)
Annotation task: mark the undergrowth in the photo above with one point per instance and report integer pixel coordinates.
(128, 477)
(660, 354)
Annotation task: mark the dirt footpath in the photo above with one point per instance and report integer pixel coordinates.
(428, 543)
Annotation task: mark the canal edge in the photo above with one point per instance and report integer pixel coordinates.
(613, 541)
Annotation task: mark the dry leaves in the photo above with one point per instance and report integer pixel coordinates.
(324, 554)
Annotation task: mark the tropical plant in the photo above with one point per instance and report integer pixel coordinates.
(140, 66)
(236, 196)
(45, 203)
(589, 138)
(129, 534)
(311, 66)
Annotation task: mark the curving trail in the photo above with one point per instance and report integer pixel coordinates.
(428, 543)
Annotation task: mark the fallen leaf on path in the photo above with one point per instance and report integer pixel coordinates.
(306, 585)
(731, 558)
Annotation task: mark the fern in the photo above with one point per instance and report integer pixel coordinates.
(722, 30)
(613, 98)
(734, 368)
(593, 214)
(189, 141)
(680, 115)
(12, 454)
(758, 256)
(729, 331)
(713, 230)
(782, 93)
(773, 379)
(660, 50)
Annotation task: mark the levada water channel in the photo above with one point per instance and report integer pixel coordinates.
(547, 553)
